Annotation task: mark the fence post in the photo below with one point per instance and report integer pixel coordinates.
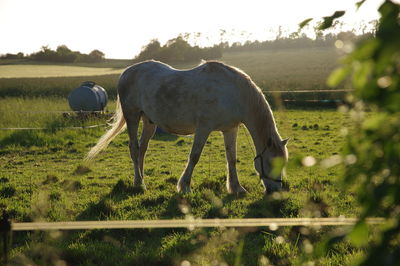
(5, 230)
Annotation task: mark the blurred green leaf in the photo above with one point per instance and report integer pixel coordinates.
(337, 76)
(362, 74)
(277, 166)
(328, 21)
(367, 49)
(375, 122)
(360, 3)
(359, 234)
(304, 23)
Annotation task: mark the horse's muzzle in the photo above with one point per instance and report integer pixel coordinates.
(272, 185)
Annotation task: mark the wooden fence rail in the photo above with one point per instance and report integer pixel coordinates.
(190, 223)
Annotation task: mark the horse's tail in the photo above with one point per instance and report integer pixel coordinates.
(117, 126)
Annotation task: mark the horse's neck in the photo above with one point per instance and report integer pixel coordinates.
(261, 125)
(257, 137)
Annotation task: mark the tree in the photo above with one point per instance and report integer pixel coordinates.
(96, 56)
(64, 54)
(178, 50)
(149, 51)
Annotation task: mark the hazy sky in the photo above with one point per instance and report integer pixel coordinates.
(119, 28)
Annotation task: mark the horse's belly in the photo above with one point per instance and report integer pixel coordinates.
(188, 125)
(177, 130)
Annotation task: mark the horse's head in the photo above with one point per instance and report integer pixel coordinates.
(270, 165)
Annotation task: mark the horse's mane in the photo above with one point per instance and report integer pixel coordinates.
(255, 99)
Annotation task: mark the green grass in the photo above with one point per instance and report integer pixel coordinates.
(42, 177)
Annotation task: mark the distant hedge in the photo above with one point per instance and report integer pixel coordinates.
(61, 55)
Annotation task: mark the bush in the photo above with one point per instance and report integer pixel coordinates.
(64, 55)
(178, 50)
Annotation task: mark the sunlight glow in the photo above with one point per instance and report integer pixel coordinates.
(120, 28)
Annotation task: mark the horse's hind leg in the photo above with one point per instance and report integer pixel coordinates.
(148, 132)
(200, 139)
(232, 181)
(132, 123)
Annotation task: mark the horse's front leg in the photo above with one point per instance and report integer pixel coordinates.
(200, 139)
(232, 181)
(132, 123)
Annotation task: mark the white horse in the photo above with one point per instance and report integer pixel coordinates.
(212, 96)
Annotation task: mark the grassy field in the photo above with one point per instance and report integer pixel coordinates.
(300, 69)
(291, 69)
(45, 71)
(43, 178)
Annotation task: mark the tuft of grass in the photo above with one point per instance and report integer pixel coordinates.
(29, 138)
(73, 186)
(82, 170)
(180, 142)
(55, 196)
(102, 209)
(8, 191)
(4, 180)
(50, 179)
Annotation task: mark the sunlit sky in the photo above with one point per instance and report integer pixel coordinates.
(119, 28)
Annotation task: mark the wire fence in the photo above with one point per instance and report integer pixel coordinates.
(44, 128)
(299, 98)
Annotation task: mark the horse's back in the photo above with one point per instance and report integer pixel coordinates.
(180, 100)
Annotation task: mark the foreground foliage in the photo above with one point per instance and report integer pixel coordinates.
(372, 153)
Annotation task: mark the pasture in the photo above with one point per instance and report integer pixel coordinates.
(43, 176)
(45, 71)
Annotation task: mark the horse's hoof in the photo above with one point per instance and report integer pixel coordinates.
(140, 186)
(183, 189)
(271, 189)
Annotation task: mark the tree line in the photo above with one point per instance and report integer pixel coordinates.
(296, 40)
(62, 54)
(178, 50)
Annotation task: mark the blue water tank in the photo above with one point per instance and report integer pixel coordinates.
(88, 97)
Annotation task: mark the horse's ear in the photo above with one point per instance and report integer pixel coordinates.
(285, 141)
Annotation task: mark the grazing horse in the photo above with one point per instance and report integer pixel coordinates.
(212, 96)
